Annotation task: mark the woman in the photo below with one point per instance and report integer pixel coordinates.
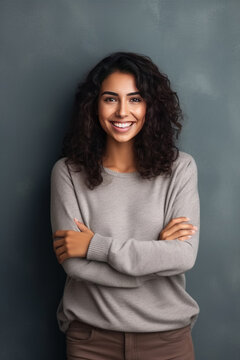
(122, 196)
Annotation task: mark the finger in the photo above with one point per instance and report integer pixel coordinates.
(182, 238)
(177, 227)
(81, 226)
(60, 250)
(60, 233)
(57, 243)
(77, 221)
(59, 258)
(62, 257)
(176, 221)
(179, 233)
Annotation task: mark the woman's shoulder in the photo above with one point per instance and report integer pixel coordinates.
(60, 167)
(65, 167)
(185, 157)
(185, 162)
(59, 163)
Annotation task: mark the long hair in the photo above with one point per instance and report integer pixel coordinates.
(154, 146)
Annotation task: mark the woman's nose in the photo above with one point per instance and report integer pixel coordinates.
(122, 109)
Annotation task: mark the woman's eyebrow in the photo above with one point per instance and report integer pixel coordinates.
(115, 94)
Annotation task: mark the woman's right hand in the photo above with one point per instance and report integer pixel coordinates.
(177, 229)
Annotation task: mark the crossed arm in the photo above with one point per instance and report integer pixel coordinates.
(153, 256)
(128, 263)
(63, 209)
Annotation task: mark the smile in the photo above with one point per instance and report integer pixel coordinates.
(121, 126)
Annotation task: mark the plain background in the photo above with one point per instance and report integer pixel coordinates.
(46, 49)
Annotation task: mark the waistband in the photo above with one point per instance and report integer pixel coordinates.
(78, 324)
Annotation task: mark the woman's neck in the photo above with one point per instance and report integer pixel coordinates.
(119, 156)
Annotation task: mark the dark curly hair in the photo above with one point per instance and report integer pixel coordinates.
(154, 146)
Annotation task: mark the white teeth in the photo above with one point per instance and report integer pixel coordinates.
(122, 125)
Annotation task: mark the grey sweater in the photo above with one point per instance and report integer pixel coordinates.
(130, 280)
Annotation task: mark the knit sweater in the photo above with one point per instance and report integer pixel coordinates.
(130, 280)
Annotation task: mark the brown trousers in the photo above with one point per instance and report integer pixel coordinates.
(87, 342)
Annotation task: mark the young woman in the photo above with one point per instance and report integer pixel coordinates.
(125, 216)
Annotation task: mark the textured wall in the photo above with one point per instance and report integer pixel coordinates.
(46, 48)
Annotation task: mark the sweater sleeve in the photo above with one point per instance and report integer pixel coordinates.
(63, 208)
(153, 256)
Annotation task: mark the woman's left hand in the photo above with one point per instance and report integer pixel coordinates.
(72, 243)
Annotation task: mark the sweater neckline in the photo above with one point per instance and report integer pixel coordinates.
(120, 174)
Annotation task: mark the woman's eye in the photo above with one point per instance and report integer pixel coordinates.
(108, 99)
(136, 99)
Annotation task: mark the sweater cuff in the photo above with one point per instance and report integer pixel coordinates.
(98, 248)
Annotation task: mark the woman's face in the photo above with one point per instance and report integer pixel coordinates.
(120, 104)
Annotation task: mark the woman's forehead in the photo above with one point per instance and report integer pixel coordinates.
(119, 83)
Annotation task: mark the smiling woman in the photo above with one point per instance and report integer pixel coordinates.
(123, 87)
(122, 195)
(121, 114)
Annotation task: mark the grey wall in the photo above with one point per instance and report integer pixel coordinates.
(46, 48)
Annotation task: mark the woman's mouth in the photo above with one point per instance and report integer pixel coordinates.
(121, 126)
